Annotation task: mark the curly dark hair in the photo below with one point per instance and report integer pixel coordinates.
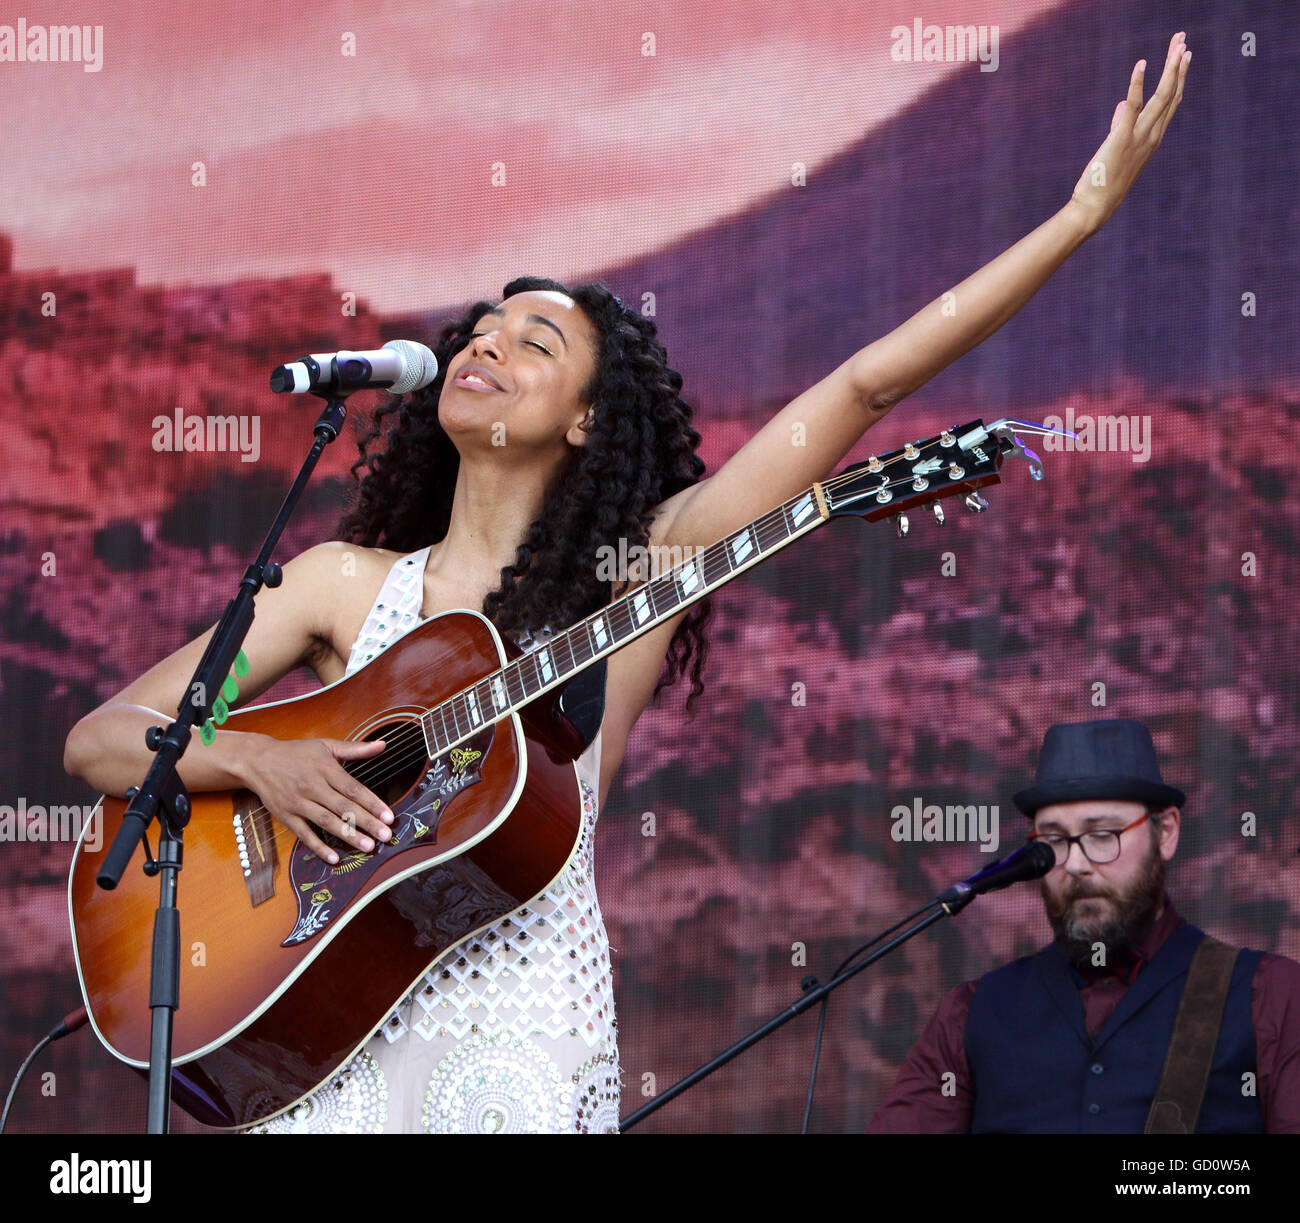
(640, 450)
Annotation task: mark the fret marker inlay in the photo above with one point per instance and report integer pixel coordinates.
(742, 545)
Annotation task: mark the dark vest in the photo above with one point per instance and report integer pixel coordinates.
(1036, 1071)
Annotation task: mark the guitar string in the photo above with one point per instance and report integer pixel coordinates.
(405, 739)
(396, 759)
(396, 763)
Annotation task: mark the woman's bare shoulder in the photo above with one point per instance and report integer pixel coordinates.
(344, 579)
(337, 557)
(343, 546)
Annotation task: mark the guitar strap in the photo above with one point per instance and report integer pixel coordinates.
(582, 701)
(1177, 1103)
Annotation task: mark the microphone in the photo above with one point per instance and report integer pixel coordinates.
(401, 366)
(1028, 862)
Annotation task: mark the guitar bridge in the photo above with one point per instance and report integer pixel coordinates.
(255, 837)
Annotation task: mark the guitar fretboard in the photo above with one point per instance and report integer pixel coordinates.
(627, 618)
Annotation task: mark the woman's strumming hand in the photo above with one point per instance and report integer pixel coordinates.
(302, 782)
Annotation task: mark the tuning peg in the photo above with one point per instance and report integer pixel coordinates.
(975, 503)
(900, 520)
(937, 507)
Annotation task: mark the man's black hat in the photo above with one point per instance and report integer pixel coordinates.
(1108, 758)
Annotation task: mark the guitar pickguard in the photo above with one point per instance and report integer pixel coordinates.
(322, 890)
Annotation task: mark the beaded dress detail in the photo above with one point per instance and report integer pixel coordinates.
(510, 1031)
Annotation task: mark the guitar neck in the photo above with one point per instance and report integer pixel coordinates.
(624, 620)
(956, 461)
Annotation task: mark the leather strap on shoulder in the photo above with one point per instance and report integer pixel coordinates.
(1177, 1103)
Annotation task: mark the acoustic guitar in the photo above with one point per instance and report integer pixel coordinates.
(290, 964)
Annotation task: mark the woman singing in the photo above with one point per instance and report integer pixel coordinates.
(553, 430)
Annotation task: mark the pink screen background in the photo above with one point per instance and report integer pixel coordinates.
(671, 176)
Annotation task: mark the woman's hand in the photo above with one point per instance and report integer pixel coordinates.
(1135, 133)
(301, 782)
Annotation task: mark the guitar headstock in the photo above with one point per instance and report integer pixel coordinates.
(955, 463)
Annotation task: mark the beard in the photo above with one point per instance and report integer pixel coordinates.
(1121, 925)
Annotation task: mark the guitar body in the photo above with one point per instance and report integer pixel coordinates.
(288, 965)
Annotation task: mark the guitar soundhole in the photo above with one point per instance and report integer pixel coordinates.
(395, 771)
(418, 790)
(391, 775)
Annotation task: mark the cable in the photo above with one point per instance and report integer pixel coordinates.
(821, 1018)
(69, 1023)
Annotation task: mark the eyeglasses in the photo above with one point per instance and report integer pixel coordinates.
(1098, 847)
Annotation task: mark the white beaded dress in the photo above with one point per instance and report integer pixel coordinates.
(510, 1031)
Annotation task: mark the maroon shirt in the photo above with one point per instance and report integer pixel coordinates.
(917, 1103)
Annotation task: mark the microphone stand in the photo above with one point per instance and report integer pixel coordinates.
(947, 904)
(163, 794)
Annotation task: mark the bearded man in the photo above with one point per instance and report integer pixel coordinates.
(1132, 1019)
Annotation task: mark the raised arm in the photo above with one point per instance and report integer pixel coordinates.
(827, 419)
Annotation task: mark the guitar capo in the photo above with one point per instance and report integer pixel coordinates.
(1008, 431)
